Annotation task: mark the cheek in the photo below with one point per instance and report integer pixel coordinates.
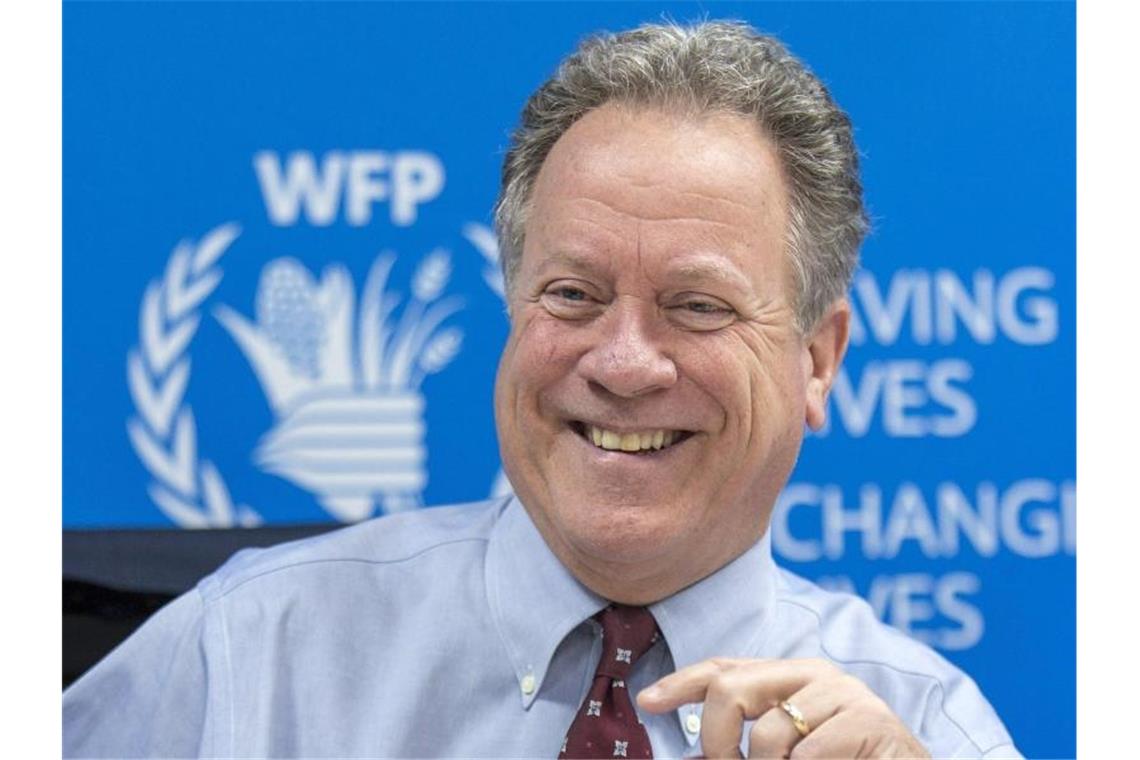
(547, 347)
(780, 407)
(736, 378)
(761, 390)
(535, 357)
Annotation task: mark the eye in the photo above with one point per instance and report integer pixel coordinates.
(704, 307)
(569, 300)
(701, 312)
(568, 292)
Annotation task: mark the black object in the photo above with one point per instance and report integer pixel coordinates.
(113, 580)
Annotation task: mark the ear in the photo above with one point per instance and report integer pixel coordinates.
(824, 350)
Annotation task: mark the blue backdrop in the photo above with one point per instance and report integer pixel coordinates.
(281, 306)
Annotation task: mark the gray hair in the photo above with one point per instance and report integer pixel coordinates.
(709, 67)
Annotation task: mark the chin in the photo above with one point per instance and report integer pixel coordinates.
(623, 533)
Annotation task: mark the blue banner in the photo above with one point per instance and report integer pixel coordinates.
(282, 301)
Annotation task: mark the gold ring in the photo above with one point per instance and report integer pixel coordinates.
(797, 717)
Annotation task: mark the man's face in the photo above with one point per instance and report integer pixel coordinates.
(652, 394)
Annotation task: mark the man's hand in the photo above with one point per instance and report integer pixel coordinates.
(844, 718)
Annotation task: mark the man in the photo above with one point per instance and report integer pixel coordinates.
(680, 215)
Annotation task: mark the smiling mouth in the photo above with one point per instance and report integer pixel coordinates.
(640, 442)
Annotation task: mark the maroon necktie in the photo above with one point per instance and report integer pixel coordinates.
(606, 725)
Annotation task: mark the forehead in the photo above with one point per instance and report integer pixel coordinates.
(697, 185)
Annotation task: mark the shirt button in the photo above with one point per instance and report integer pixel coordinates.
(693, 723)
(528, 684)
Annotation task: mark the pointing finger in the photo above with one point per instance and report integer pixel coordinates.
(684, 686)
(768, 680)
(733, 691)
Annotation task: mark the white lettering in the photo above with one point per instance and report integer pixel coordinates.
(365, 186)
(921, 328)
(418, 178)
(911, 394)
(926, 607)
(955, 517)
(948, 598)
(910, 601)
(1041, 325)
(910, 519)
(856, 408)
(296, 186)
(300, 185)
(935, 305)
(1069, 513)
(857, 330)
(900, 394)
(837, 520)
(964, 412)
(885, 319)
(1045, 538)
(976, 313)
(1030, 518)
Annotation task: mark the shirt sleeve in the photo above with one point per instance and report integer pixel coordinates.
(149, 696)
(961, 723)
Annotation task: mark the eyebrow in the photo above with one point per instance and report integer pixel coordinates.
(701, 269)
(571, 259)
(705, 269)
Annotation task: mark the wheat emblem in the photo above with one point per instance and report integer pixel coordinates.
(484, 241)
(191, 492)
(344, 386)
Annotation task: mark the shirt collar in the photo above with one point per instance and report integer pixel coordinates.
(534, 599)
(536, 602)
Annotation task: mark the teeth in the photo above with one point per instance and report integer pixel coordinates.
(631, 442)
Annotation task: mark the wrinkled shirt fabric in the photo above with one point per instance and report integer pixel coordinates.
(454, 631)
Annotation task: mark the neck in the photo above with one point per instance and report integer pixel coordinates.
(640, 581)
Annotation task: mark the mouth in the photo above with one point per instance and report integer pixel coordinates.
(641, 442)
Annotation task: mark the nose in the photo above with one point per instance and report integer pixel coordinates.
(626, 358)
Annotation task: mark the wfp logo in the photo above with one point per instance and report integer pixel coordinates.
(342, 381)
(349, 413)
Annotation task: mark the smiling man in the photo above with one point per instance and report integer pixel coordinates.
(652, 395)
(680, 216)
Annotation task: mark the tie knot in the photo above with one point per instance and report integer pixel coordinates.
(627, 633)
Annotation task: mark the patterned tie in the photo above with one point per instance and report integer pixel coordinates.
(607, 725)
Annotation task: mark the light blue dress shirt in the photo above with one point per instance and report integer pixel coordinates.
(456, 632)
